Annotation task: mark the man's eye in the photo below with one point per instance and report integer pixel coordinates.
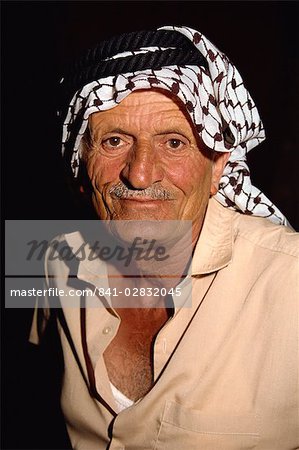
(113, 141)
(175, 143)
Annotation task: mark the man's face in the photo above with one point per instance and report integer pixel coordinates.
(145, 163)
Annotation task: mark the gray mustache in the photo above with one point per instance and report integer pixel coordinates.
(155, 193)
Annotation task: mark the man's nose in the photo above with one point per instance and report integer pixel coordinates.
(143, 167)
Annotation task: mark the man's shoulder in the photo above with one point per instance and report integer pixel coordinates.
(262, 233)
(266, 256)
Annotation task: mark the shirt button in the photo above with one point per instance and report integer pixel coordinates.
(106, 330)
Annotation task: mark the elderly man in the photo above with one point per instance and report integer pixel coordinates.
(160, 123)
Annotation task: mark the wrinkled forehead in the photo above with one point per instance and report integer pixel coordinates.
(159, 99)
(156, 107)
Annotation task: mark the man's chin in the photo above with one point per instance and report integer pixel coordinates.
(162, 232)
(151, 235)
(156, 220)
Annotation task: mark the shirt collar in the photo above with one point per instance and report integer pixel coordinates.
(213, 250)
(94, 270)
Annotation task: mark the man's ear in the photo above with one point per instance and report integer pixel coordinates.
(219, 162)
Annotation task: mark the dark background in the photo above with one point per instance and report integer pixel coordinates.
(39, 39)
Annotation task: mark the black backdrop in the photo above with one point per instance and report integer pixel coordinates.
(39, 39)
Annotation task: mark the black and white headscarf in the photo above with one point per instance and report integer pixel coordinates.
(219, 105)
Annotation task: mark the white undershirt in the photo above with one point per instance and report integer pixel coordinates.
(121, 400)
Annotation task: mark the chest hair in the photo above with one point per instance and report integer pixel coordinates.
(129, 357)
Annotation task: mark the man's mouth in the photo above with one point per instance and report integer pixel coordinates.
(146, 202)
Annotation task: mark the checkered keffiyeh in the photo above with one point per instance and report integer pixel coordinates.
(222, 111)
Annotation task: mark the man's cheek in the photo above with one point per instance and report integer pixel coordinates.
(105, 171)
(103, 205)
